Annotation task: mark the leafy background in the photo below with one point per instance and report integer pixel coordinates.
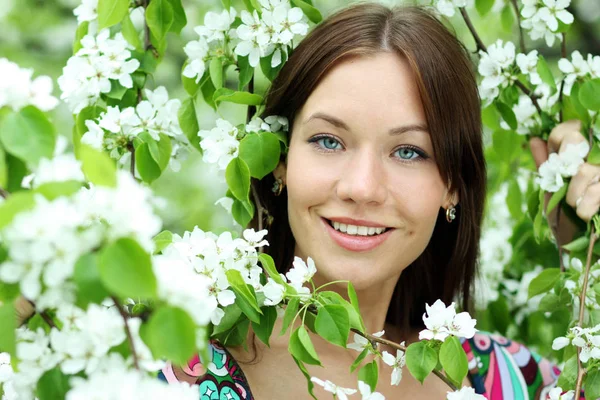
(38, 34)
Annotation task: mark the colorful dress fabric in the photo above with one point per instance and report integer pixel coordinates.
(499, 369)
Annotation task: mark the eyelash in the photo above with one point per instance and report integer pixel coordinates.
(315, 142)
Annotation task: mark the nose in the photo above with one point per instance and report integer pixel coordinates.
(363, 180)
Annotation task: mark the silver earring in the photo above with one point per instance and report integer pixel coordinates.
(450, 213)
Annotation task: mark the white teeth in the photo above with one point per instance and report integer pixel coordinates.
(357, 230)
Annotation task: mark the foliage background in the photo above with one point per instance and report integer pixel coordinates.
(38, 34)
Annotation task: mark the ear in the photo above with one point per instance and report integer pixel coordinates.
(280, 172)
(452, 198)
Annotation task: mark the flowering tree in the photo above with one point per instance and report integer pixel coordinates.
(81, 239)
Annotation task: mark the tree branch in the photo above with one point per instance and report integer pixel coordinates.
(521, 35)
(125, 317)
(374, 340)
(563, 53)
(4, 193)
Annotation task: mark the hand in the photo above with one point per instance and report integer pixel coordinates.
(583, 193)
(24, 310)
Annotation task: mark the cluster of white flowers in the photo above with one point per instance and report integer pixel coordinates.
(441, 322)
(6, 376)
(540, 18)
(397, 363)
(496, 68)
(516, 292)
(465, 393)
(256, 37)
(45, 242)
(116, 128)
(579, 67)
(210, 256)
(220, 145)
(95, 68)
(342, 393)
(272, 123)
(18, 90)
(586, 339)
(559, 166)
(557, 394)
(448, 7)
(574, 281)
(114, 379)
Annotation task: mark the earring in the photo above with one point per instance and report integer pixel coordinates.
(278, 186)
(450, 213)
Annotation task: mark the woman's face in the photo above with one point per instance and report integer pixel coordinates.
(360, 160)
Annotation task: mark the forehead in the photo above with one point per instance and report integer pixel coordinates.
(377, 89)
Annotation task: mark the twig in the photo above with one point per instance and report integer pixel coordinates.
(563, 53)
(394, 345)
(251, 109)
(4, 193)
(48, 319)
(482, 47)
(131, 149)
(588, 263)
(259, 207)
(478, 41)
(127, 331)
(521, 36)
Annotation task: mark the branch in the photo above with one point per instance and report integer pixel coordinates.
(147, 43)
(4, 193)
(563, 53)
(48, 319)
(127, 331)
(374, 340)
(588, 263)
(132, 164)
(521, 36)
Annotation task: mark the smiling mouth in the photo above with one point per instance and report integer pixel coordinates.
(356, 230)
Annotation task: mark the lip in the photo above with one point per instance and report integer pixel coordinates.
(356, 243)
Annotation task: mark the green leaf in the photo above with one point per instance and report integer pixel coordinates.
(130, 33)
(506, 144)
(454, 360)
(577, 245)
(242, 211)
(269, 266)
(162, 240)
(237, 335)
(117, 91)
(589, 95)
(304, 371)
(246, 72)
(369, 374)
(126, 269)
(161, 150)
(111, 12)
(216, 72)
(268, 71)
(311, 12)
(333, 324)
(98, 167)
(545, 73)
(556, 198)
(544, 281)
(514, 199)
(3, 169)
(179, 17)
(354, 302)
(28, 135)
(592, 384)
(420, 360)
(594, 155)
(53, 190)
(582, 112)
(88, 281)
(189, 122)
(237, 176)
(208, 91)
(359, 359)
(82, 30)
(226, 4)
(290, 312)
(484, 6)
(145, 164)
(170, 322)
(244, 295)
(507, 115)
(301, 347)
(231, 96)
(539, 217)
(14, 204)
(507, 19)
(160, 18)
(189, 84)
(8, 339)
(502, 318)
(264, 329)
(232, 316)
(261, 151)
(53, 385)
(552, 302)
(490, 118)
(568, 375)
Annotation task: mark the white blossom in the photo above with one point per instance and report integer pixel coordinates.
(273, 292)
(197, 52)
(441, 322)
(540, 18)
(465, 393)
(557, 394)
(216, 25)
(361, 343)
(18, 89)
(338, 391)
(495, 68)
(86, 11)
(397, 363)
(300, 273)
(558, 166)
(367, 394)
(220, 145)
(448, 7)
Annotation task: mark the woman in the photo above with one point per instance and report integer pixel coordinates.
(383, 185)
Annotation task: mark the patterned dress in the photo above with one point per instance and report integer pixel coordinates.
(499, 369)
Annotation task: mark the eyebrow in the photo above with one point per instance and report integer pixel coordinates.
(338, 123)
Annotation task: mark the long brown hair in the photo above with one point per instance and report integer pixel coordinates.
(448, 90)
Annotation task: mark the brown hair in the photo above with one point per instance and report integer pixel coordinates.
(448, 90)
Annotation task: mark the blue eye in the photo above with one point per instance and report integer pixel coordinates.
(409, 153)
(326, 143)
